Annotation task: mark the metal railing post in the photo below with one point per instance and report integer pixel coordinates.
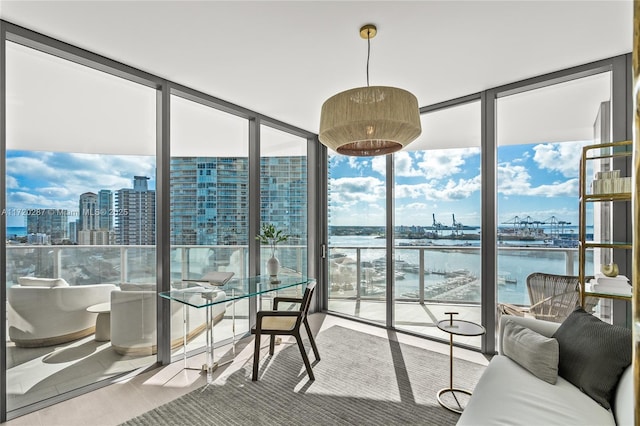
(421, 276)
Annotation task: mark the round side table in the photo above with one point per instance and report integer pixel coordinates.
(460, 328)
(103, 321)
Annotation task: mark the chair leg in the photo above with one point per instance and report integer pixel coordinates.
(305, 358)
(312, 340)
(272, 344)
(256, 358)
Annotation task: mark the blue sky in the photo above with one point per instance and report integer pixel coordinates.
(538, 180)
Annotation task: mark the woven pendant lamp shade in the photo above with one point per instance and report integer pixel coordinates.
(369, 121)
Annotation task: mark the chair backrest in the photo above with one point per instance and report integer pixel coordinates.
(306, 300)
(553, 297)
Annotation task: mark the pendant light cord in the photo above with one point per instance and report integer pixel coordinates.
(368, 53)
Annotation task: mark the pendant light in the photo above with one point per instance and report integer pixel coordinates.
(371, 120)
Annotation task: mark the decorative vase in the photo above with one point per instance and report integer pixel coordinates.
(273, 266)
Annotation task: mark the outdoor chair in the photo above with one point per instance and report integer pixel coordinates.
(553, 298)
(285, 323)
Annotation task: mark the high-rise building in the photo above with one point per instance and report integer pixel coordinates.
(73, 231)
(183, 190)
(52, 222)
(283, 195)
(105, 209)
(95, 237)
(135, 214)
(210, 198)
(87, 211)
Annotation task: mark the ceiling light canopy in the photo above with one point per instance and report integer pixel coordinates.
(371, 120)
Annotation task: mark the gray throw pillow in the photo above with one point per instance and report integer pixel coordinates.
(593, 354)
(532, 351)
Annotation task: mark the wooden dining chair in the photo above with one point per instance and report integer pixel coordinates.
(285, 323)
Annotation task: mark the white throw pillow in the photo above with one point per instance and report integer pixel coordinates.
(42, 282)
(533, 351)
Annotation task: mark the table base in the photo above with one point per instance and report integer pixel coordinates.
(459, 409)
(103, 327)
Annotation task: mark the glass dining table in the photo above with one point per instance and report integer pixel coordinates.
(203, 294)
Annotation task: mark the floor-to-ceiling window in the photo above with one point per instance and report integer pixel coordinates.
(437, 221)
(80, 216)
(283, 198)
(540, 133)
(525, 198)
(357, 283)
(81, 206)
(209, 211)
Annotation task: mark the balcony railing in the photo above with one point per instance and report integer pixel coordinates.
(114, 264)
(422, 273)
(444, 274)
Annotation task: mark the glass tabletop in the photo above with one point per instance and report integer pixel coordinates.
(200, 293)
(461, 327)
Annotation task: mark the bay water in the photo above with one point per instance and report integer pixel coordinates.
(516, 260)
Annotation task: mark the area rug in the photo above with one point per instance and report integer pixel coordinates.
(360, 380)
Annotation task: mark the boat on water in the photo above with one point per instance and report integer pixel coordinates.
(505, 278)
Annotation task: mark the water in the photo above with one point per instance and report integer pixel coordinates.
(17, 231)
(514, 263)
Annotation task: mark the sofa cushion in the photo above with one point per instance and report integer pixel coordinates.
(531, 350)
(593, 354)
(507, 394)
(42, 282)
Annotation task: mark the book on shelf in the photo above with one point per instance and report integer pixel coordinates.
(617, 185)
(609, 174)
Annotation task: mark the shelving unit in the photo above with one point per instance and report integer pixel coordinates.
(619, 194)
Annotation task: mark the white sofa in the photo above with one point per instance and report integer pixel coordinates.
(48, 311)
(133, 319)
(508, 394)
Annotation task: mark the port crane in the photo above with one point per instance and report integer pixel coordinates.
(456, 226)
(557, 226)
(437, 226)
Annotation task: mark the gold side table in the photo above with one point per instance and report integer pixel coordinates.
(460, 328)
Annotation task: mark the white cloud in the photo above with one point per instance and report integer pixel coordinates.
(355, 189)
(513, 180)
(559, 157)
(561, 189)
(516, 180)
(379, 164)
(11, 182)
(357, 163)
(403, 164)
(452, 190)
(443, 163)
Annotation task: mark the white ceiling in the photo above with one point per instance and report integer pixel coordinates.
(284, 58)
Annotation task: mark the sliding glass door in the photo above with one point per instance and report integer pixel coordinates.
(357, 254)
(437, 222)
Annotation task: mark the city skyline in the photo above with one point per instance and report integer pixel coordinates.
(38, 180)
(537, 180)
